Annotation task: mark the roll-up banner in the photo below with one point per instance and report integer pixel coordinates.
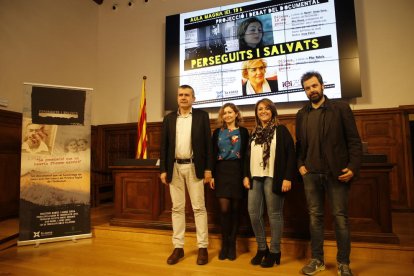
(55, 164)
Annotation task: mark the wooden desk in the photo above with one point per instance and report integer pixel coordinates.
(141, 200)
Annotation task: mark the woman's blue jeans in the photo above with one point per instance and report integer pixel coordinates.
(259, 195)
(316, 185)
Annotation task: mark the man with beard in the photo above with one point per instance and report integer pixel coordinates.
(329, 153)
(34, 139)
(185, 162)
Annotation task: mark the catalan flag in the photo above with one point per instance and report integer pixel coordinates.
(142, 138)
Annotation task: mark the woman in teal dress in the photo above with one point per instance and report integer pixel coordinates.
(229, 144)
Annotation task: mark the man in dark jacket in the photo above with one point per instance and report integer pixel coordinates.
(186, 162)
(329, 153)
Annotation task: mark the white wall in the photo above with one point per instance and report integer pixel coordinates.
(78, 43)
(385, 38)
(46, 41)
(131, 45)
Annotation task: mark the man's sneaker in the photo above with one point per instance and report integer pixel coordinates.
(313, 267)
(344, 270)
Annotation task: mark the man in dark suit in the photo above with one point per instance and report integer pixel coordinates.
(186, 161)
(329, 156)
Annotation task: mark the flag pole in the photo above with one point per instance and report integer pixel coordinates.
(142, 139)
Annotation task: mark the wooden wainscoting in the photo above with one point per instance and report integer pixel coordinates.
(10, 143)
(385, 130)
(113, 142)
(141, 200)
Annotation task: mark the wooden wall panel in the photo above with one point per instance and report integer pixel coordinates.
(370, 213)
(10, 143)
(154, 140)
(385, 130)
(137, 185)
(108, 143)
(166, 204)
(9, 185)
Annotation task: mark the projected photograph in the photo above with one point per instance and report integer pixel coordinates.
(246, 51)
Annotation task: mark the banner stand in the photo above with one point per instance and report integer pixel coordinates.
(55, 176)
(37, 243)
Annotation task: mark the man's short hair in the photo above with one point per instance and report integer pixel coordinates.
(186, 86)
(309, 75)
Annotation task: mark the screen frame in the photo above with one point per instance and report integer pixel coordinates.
(347, 53)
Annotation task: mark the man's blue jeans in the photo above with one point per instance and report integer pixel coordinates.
(261, 194)
(316, 185)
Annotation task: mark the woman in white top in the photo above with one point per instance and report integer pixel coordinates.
(270, 166)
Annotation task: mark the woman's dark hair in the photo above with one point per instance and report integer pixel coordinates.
(269, 104)
(241, 31)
